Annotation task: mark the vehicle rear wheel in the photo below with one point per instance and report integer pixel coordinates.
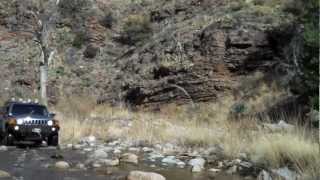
(53, 140)
(7, 140)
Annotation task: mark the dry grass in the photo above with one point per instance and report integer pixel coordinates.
(201, 126)
(293, 149)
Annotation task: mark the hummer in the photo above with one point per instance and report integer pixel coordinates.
(27, 122)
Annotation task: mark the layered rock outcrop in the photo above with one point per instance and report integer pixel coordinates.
(196, 52)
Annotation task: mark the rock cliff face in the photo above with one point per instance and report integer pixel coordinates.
(196, 51)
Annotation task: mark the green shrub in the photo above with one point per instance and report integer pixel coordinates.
(79, 40)
(136, 28)
(107, 21)
(71, 7)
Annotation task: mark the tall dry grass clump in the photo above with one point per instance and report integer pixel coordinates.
(81, 116)
(287, 149)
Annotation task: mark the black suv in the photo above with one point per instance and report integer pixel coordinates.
(27, 122)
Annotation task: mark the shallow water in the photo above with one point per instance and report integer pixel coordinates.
(30, 164)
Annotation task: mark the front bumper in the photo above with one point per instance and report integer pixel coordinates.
(33, 132)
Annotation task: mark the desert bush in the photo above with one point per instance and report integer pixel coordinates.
(72, 7)
(107, 21)
(136, 28)
(79, 40)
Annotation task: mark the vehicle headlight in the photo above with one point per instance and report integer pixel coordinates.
(50, 123)
(19, 121)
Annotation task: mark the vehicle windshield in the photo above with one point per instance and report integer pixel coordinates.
(27, 109)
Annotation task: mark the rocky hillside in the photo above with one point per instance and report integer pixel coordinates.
(142, 52)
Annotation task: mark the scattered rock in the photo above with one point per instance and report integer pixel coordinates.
(81, 166)
(197, 162)
(220, 164)
(232, 170)
(246, 168)
(140, 175)
(281, 126)
(96, 165)
(147, 150)
(87, 149)
(4, 174)
(77, 146)
(89, 139)
(181, 164)
(98, 154)
(62, 165)
(214, 170)
(129, 158)
(133, 149)
(117, 151)
(264, 175)
(196, 168)
(285, 173)
(110, 162)
(169, 160)
(153, 156)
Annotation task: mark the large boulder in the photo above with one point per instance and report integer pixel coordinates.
(140, 175)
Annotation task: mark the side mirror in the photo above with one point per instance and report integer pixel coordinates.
(52, 115)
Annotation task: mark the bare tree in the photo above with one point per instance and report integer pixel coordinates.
(39, 18)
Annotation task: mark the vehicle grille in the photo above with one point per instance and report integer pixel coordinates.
(35, 122)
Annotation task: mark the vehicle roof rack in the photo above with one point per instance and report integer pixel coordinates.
(22, 101)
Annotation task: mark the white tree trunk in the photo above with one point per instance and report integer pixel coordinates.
(43, 83)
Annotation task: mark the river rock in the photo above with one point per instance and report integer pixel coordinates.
(197, 162)
(110, 162)
(281, 126)
(214, 170)
(77, 146)
(264, 175)
(140, 175)
(285, 173)
(134, 149)
(3, 148)
(181, 164)
(117, 151)
(62, 165)
(129, 158)
(246, 168)
(89, 140)
(4, 174)
(99, 154)
(81, 166)
(169, 160)
(147, 149)
(196, 168)
(232, 170)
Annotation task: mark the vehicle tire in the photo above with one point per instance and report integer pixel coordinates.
(7, 140)
(53, 140)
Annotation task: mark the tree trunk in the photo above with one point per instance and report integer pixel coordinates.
(43, 83)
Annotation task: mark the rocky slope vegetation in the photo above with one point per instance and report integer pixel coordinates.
(143, 52)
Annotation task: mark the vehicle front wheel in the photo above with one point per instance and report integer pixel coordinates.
(53, 140)
(7, 140)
